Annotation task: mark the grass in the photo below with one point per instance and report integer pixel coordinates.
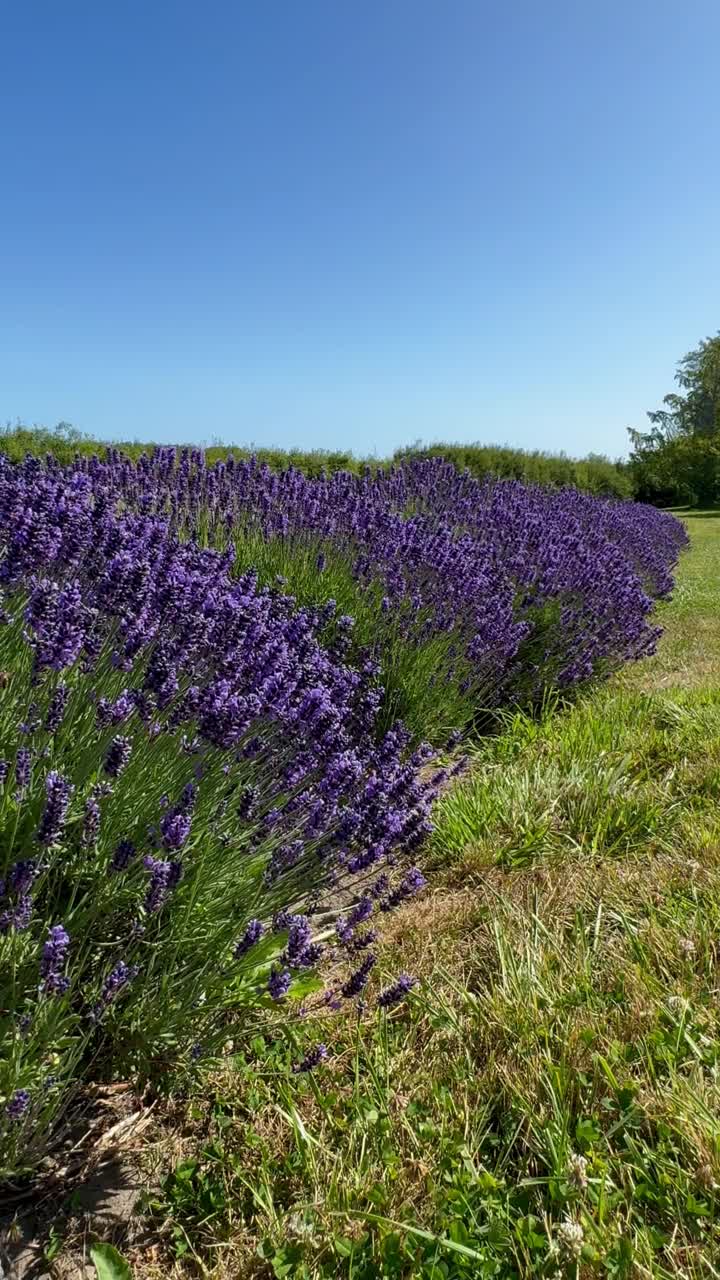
(546, 1103)
(689, 655)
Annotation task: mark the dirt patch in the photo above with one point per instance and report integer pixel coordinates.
(46, 1230)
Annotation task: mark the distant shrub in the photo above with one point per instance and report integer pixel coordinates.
(683, 470)
(594, 474)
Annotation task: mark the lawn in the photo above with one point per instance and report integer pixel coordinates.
(546, 1104)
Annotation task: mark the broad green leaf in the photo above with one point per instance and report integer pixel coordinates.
(108, 1263)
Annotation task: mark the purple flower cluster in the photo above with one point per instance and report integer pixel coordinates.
(52, 962)
(165, 875)
(312, 1059)
(120, 976)
(118, 756)
(393, 994)
(220, 661)
(59, 792)
(252, 934)
(123, 855)
(15, 893)
(524, 577)
(18, 1104)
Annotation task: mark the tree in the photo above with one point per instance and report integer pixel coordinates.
(677, 460)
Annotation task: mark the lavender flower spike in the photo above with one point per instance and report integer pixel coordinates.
(279, 983)
(358, 980)
(52, 961)
(18, 1104)
(175, 829)
(252, 934)
(120, 976)
(23, 768)
(397, 991)
(118, 755)
(164, 876)
(53, 820)
(312, 1059)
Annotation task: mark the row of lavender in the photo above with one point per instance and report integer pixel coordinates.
(198, 804)
(203, 794)
(497, 590)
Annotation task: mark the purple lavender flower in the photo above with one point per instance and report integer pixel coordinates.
(23, 768)
(411, 884)
(21, 876)
(344, 931)
(56, 709)
(282, 920)
(358, 980)
(52, 961)
(175, 829)
(118, 756)
(124, 853)
(118, 978)
(57, 620)
(362, 941)
(123, 707)
(361, 911)
(397, 991)
(18, 916)
(312, 1059)
(59, 792)
(252, 934)
(164, 877)
(188, 797)
(17, 887)
(299, 939)
(4, 767)
(91, 821)
(279, 983)
(18, 1104)
(300, 952)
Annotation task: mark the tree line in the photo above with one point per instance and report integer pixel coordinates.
(677, 461)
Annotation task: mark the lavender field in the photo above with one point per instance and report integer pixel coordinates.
(233, 701)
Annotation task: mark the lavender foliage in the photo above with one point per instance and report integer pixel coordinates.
(266, 715)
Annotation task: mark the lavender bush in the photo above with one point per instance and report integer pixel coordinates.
(187, 778)
(204, 789)
(466, 595)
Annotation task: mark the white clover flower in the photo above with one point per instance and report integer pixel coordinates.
(577, 1171)
(570, 1238)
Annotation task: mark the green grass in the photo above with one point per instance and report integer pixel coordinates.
(689, 655)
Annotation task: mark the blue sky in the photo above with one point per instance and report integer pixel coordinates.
(356, 223)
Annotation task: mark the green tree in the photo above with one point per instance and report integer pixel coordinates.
(677, 459)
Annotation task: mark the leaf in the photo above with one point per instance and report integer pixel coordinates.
(109, 1264)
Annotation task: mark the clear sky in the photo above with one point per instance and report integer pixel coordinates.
(356, 223)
